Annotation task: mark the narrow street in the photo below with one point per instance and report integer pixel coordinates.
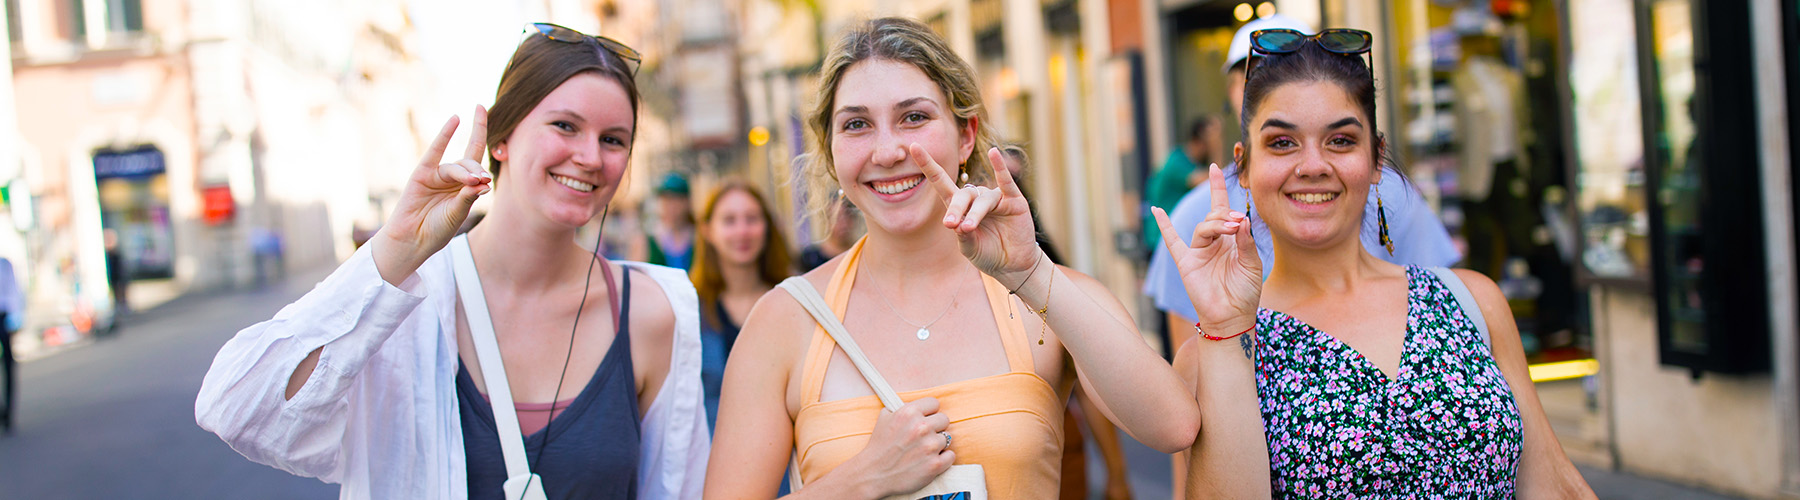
(115, 419)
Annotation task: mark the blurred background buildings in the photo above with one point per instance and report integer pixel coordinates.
(1621, 167)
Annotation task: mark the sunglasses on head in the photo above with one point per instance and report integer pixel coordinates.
(1285, 41)
(561, 34)
(1341, 41)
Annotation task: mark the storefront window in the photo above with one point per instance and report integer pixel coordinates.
(134, 213)
(1603, 78)
(1678, 194)
(1480, 130)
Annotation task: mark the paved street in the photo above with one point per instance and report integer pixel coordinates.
(115, 419)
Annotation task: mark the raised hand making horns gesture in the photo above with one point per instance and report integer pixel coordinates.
(1221, 269)
(993, 225)
(434, 203)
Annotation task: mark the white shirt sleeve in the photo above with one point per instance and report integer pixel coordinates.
(242, 399)
(676, 443)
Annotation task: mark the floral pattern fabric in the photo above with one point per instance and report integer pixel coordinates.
(1446, 426)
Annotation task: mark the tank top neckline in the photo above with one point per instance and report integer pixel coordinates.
(1010, 326)
(571, 409)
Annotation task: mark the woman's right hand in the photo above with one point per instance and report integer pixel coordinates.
(907, 450)
(1221, 269)
(434, 203)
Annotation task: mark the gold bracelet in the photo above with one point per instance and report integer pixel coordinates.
(1044, 312)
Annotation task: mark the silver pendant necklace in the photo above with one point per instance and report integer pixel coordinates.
(924, 331)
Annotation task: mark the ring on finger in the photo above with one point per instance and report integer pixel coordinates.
(968, 186)
(946, 439)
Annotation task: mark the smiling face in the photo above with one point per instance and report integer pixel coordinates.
(565, 158)
(738, 229)
(1310, 163)
(881, 107)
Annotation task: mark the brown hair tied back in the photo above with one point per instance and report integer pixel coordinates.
(906, 41)
(537, 67)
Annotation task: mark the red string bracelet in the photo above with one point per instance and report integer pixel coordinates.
(1208, 336)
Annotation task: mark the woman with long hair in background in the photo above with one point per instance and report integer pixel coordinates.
(740, 256)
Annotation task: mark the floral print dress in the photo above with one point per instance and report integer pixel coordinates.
(1444, 427)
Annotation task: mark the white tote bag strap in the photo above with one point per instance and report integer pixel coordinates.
(520, 481)
(1465, 299)
(809, 298)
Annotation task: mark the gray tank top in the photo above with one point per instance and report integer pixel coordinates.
(593, 443)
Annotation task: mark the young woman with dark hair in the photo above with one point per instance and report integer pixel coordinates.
(1343, 375)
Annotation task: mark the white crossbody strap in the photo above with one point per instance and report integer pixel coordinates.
(809, 298)
(493, 372)
(1465, 299)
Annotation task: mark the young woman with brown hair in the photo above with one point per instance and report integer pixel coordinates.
(374, 380)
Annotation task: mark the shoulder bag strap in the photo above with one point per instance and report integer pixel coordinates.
(487, 352)
(1461, 291)
(809, 298)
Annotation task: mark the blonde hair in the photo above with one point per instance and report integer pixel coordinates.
(905, 41)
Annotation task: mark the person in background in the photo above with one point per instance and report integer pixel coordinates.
(118, 278)
(740, 256)
(837, 240)
(1181, 172)
(12, 317)
(670, 241)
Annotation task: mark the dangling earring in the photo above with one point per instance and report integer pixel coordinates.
(1381, 221)
(840, 194)
(1247, 226)
(964, 169)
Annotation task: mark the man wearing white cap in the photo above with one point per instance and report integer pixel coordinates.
(1419, 236)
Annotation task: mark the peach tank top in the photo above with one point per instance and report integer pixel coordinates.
(1010, 424)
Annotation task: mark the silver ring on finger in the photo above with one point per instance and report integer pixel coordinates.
(968, 186)
(946, 439)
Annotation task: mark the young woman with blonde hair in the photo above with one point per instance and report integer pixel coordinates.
(948, 296)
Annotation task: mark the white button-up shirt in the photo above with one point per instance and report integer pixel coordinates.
(379, 413)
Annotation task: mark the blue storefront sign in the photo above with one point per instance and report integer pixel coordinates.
(142, 162)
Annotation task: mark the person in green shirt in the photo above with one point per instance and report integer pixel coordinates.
(1181, 172)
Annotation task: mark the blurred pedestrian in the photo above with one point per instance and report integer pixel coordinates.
(947, 289)
(671, 239)
(1181, 172)
(266, 252)
(837, 239)
(118, 277)
(12, 318)
(432, 365)
(740, 257)
(1343, 374)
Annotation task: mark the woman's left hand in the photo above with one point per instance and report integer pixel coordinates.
(994, 225)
